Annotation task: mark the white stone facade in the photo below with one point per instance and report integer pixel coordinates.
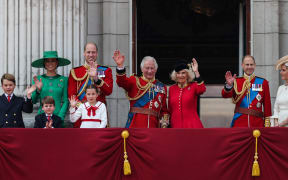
(27, 28)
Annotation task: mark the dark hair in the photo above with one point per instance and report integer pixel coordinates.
(50, 58)
(91, 43)
(8, 77)
(48, 100)
(92, 86)
(248, 56)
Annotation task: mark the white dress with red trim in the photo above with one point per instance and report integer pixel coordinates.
(91, 116)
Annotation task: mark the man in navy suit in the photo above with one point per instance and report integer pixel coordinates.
(11, 106)
(48, 119)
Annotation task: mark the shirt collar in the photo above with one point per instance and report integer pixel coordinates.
(11, 95)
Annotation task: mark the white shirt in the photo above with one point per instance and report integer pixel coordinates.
(11, 95)
(82, 112)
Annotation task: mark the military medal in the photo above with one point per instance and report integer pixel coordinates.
(156, 104)
(258, 97)
(257, 87)
(101, 74)
(258, 105)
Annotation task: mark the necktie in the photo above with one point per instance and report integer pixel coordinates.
(9, 98)
(49, 118)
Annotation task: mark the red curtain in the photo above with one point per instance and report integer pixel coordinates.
(84, 154)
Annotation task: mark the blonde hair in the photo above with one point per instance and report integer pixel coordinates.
(190, 75)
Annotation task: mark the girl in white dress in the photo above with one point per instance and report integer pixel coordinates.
(92, 113)
(280, 116)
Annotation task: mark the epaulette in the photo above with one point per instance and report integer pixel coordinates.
(159, 81)
(77, 67)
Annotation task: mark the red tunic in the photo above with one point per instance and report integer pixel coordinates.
(158, 103)
(262, 103)
(183, 105)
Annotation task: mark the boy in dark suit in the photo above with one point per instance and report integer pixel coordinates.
(48, 119)
(11, 106)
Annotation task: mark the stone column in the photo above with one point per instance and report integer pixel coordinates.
(27, 28)
(108, 26)
(266, 41)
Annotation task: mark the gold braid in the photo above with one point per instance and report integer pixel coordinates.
(75, 77)
(245, 86)
(140, 87)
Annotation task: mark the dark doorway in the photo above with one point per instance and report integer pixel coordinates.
(208, 30)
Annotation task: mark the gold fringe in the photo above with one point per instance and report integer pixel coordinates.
(126, 165)
(267, 122)
(256, 167)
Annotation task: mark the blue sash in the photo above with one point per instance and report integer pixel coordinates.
(141, 102)
(100, 71)
(245, 103)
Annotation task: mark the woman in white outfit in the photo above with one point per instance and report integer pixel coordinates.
(92, 113)
(280, 116)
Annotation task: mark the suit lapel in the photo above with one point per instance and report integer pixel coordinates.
(5, 103)
(44, 119)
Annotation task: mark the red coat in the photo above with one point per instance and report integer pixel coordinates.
(183, 105)
(158, 103)
(77, 79)
(261, 102)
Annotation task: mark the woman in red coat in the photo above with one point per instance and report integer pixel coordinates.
(183, 95)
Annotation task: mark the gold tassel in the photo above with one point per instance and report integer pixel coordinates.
(126, 166)
(256, 167)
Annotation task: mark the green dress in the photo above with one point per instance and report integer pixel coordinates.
(55, 86)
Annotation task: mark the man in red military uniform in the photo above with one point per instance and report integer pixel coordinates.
(90, 73)
(250, 94)
(148, 107)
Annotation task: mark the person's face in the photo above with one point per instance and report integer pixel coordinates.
(8, 86)
(248, 66)
(181, 76)
(91, 95)
(284, 72)
(149, 70)
(51, 64)
(90, 54)
(48, 108)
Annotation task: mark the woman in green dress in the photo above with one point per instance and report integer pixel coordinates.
(51, 83)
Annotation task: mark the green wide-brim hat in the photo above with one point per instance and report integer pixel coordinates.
(39, 63)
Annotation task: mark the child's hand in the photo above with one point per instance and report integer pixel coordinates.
(49, 124)
(30, 90)
(73, 101)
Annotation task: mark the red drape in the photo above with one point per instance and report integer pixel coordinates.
(73, 154)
